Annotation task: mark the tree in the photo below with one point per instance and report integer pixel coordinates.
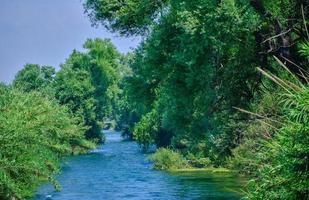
(129, 17)
(196, 68)
(74, 89)
(35, 133)
(88, 84)
(34, 77)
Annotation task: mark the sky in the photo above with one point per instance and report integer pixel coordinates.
(45, 32)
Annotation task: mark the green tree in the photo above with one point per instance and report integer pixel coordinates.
(34, 77)
(197, 65)
(130, 17)
(74, 89)
(35, 133)
(88, 84)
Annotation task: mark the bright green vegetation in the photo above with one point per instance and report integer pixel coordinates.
(195, 87)
(46, 115)
(35, 134)
(282, 171)
(165, 159)
(214, 84)
(209, 170)
(87, 83)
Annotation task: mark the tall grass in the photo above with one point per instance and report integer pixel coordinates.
(281, 159)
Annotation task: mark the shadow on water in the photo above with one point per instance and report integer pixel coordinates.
(118, 170)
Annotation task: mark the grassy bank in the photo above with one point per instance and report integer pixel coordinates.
(173, 161)
(207, 170)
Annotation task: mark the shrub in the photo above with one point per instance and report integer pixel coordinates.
(256, 134)
(34, 134)
(286, 175)
(166, 159)
(281, 159)
(198, 161)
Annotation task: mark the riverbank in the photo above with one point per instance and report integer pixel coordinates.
(169, 160)
(208, 170)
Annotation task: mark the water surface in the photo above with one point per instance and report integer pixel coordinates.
(118, 170)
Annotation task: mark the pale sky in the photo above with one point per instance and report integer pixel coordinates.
(45, 32)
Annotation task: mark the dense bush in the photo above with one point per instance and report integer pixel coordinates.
(166, 159)
(145, 130)
(284, 172)
(274, 151)
(260, 130)
(198, 162)
(35, 133)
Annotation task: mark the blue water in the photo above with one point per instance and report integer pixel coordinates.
(118, 170)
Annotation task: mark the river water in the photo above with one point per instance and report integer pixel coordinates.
(118, 170)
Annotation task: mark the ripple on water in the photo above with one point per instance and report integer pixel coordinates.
(118, 170)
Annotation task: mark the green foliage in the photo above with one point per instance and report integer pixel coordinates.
(74, 89)
(257, 133)
(281, 10)
(129, 16)
(88, 84)
(196, 68)
(304, 49)
(35, 133)
(47, 115)
(275, 149)
(145, 130)
(166, 159)
(176, 71)
(105, 69)
(286, 174)
(33, 77)
(198, 162)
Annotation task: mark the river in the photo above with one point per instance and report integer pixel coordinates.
(118, 170)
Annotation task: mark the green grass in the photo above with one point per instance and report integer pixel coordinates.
(208, 169)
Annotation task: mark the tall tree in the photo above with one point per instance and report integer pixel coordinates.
(88, 83)
(34, 77)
